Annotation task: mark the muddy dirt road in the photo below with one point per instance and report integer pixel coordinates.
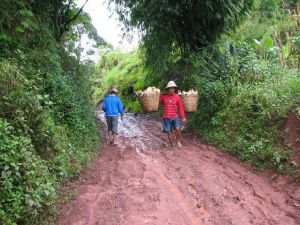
(144, 182)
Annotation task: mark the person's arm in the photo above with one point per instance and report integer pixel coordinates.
(181, 109)
(104, 105)
(120, 107)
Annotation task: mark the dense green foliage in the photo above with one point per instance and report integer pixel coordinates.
(178, 28)
(244, 110)
(248, 79)
(248, 87)
(246, 71)
(47, 125)
(124, 71)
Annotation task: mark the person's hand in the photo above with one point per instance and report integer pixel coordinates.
(184, 120)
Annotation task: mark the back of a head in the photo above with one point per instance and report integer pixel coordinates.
(113, 91)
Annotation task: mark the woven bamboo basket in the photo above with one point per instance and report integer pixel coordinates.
(149, 99)
(149, 103)
(190, 102)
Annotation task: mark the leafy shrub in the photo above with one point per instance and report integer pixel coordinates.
(26, 186)
(244, 112)
(48, 129)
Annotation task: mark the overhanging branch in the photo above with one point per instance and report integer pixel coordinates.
(77, 14)
(65, 26)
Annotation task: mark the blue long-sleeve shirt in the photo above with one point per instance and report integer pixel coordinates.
(112, 106)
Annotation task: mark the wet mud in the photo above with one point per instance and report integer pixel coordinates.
(143, 181)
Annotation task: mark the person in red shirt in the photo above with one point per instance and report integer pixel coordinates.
(171, 106)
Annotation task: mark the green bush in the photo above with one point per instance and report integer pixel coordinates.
(248, 126)
(48, 131)
(26, 186)
(243, 108)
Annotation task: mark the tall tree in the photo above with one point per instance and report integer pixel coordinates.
(180, 25)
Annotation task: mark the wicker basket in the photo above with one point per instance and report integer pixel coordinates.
(149, 103)
(190, 102)
(149, 99)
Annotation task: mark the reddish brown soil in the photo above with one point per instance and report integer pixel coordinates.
(144, 182)
(291, 135)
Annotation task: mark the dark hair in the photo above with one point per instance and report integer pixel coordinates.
(112, 92)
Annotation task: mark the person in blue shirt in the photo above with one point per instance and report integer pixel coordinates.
(113, 108)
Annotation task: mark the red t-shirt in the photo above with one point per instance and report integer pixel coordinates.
(171, 105)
